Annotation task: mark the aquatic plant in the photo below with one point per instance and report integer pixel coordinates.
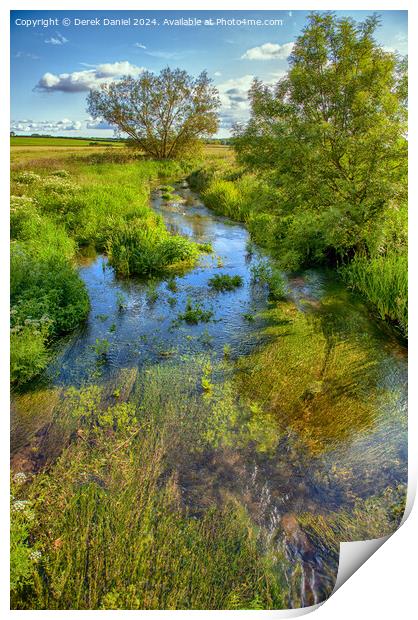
(194, 314)
(225, 282)
(266, 274)
(152, 291)
(227, 351)
(172, 285)
(384, 281)
(141, 248)
(120, 301)
(101, 348)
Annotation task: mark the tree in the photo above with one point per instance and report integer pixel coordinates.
(165, 115)
(332, 132)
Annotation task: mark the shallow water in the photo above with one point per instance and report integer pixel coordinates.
(344, 439)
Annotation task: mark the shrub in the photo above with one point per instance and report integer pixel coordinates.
(47, 287)
(28, 351)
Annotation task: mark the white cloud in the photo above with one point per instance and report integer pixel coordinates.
(140, 45)
(269, 51)
(81, 81)
(98, 123)
(217, 73)
(45, 126)
(114, 69)
(26, 55)
(57, 40)
(233, 93)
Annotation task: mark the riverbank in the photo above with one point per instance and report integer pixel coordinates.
(298, 240)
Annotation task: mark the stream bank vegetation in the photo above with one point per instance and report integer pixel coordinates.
(57, 212)
(326, 183)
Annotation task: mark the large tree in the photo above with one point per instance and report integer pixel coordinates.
(332, 132)
(164, 115)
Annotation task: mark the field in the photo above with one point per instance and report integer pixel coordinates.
(60, 141)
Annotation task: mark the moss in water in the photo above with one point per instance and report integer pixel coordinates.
(313, 383)
(119, 469)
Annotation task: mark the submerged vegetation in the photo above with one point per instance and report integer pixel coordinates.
(121, 469)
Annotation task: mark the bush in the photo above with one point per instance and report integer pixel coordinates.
(47, 288)
(28, 351)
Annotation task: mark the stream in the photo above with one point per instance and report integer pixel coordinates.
(321, 458)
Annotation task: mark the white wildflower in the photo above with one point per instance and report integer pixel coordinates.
(20, 477)
(20, 505)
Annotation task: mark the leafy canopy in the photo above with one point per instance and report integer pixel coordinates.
(165, 115)
(331, 134)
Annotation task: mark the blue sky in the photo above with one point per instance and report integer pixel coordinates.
(53, 66)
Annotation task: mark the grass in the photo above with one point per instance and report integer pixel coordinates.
(224, 282)
(194, 314)
(384, 282)
(51, 141)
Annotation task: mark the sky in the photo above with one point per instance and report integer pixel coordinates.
(56, 57)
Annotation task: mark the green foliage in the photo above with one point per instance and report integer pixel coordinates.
(384, 281)
(46, 288)
(120, 301)
(22, 556)
(225, 282)
(101, 347)
(28, 350)
(265, 274)
(164, 115)
(172, 285)
(339, 160)
(194, 314)
(144, 247)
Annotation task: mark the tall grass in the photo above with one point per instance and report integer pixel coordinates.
(143, 248)
(384, 281)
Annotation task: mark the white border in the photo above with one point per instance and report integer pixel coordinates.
(385, 586)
